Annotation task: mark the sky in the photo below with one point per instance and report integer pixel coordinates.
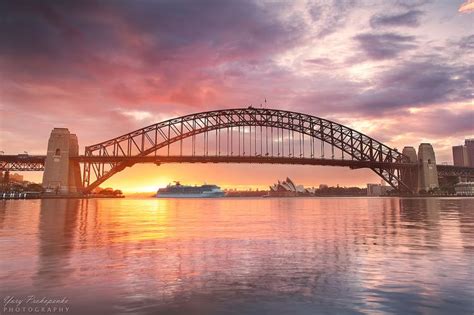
(399, 71)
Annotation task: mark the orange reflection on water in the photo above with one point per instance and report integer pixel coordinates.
(298, 250)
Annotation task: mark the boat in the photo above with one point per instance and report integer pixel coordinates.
(177, 190)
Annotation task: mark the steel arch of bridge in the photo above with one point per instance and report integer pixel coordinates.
(146, 141)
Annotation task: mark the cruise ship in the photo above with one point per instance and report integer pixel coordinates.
(182, 191)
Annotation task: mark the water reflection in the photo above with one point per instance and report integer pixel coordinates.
(234, 256)
(465, 210)
(56, 234)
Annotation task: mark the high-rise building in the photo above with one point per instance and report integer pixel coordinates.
(469, 143)
(460, 157)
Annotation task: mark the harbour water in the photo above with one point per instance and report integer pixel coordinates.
(241, 255)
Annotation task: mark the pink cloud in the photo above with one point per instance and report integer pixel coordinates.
(83, 65)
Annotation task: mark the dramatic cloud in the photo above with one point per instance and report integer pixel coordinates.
(467, 7)
(103, 68)
(447, 122)
(467, 43)
(330, 16)
(418, 84)
(326, 62)
(386, 45)
(410, 19)
(410, 4)
(139, 51)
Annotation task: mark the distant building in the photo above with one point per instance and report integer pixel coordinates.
(311, 190)
(460, 157)
(377, 189)
(469, 143)
(286, 188)
(463, 155)
(464, 189)
(374, 190)
(16, 178)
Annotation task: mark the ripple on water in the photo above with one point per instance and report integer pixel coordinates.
(242, 256)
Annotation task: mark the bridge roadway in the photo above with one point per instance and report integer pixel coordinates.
(13, 160)
(23, 162)
(239, 159)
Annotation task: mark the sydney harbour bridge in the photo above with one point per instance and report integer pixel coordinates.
(242, 135)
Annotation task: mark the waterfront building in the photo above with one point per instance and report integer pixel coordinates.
(374, 190)
(286, 188)
(464, 189)
(8, 177)
(377, 190)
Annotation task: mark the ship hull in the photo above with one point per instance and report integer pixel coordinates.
(197, 195)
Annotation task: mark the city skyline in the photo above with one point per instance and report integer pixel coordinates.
(387, 70)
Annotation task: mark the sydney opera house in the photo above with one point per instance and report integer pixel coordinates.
(287, 188)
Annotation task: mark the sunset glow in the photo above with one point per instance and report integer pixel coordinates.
(236, 157)
(467, 7)
(105, 70)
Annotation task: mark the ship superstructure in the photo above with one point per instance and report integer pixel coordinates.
(177, 190)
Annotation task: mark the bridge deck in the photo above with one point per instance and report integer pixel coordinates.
(22, 162)
(240, 159)
(13, 161)
(36, 162)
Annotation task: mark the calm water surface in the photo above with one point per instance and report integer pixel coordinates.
(242, 256)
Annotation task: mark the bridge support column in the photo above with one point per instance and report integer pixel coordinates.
(62, 176)
(427, 171)
(410, 176)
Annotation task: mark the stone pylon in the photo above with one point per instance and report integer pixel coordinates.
(61, 175)
(427, 171)
(410, 176)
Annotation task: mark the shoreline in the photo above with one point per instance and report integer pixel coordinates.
(231, 197)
